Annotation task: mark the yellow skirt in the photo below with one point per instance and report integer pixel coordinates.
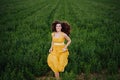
(57, 59)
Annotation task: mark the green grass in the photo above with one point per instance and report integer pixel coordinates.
(25, 37)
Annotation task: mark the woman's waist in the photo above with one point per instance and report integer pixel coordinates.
(58, 43)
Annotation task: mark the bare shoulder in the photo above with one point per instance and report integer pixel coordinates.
(52, 33)
(64, 34)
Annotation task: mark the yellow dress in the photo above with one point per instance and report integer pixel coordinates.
(57, 58)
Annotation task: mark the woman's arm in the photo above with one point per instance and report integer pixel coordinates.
(51, 44)
(68, 40)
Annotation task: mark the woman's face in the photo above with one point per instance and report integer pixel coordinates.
(58, 27)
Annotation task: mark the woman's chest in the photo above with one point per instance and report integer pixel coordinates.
(60, 39)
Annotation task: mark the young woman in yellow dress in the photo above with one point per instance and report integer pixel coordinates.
(58, 53)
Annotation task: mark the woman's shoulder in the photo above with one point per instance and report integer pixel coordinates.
(52, 33)
(64, 34)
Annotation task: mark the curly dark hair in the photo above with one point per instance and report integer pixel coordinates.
(65, 26)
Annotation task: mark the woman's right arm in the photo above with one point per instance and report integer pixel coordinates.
(51, 48)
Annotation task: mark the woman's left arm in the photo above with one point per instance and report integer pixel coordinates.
(68, 40)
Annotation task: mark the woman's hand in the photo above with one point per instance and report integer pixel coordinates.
(64, 49)
(50, 49)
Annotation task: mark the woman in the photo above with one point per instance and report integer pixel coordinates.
(58, 57)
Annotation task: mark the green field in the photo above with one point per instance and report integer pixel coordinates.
(25, 37)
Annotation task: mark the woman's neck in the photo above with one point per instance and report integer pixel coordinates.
(58, 31)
